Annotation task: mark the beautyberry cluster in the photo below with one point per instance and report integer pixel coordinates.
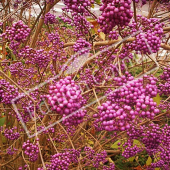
(11, 150)
(82, 46)
(150, 36)
(65, 98)
(7, 92)
(82, 26)
(31, 150)
(164, 86)
(78, 6)
(166, 74)
(49, 18)
(126, 103)
(18, 32)
(113, 35)
(155, 139)
(165, 89)
(95, 158)
(164, 105)
(63, 160)
(39, 58)
(131, 151)
(19, 71)
(11, 134)
(117, 12)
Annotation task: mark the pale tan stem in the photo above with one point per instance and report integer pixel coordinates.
(40, 24)
(152, 8)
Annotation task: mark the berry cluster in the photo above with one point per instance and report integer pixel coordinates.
(82, 46)
(39, 58)
(165, 89)
(166, 74)
(11, 134)
(49, 18)
(146, 106)
(96, 158)
(27, 53)
(151, 138)
(115, 13)
(164, 86)
(131, 151)
(158, 164)
(120, 81)
(113, 35)
(65, 98)
(126, 103)
(112, 117)
(88, 78)
(111, 167)
(78, 6)
(11, 150)
(131, 91)
(63, 160)
(125, 53)
(164, 105)
(18, 70)
(99, 158)
(82, 26)
(156, 142)
(7, 92)
(18, 32)
(31, 150)
(42, 59)
(54, 38)
(150, 36)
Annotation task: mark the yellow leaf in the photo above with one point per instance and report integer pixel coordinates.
(90, 142)
(96, 27)
(95, 24)
(9, 73)
(102, 36)
(110, 160)
(157, 99)
(149, 161)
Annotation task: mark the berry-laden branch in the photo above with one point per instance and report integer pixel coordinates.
(105, 43)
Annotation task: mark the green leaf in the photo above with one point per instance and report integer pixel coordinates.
(136, 142)
(98, 2)
(157, 99)
(2, 121)
(131, 159)
(4, 139)
(115, 145)
(149, 161)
